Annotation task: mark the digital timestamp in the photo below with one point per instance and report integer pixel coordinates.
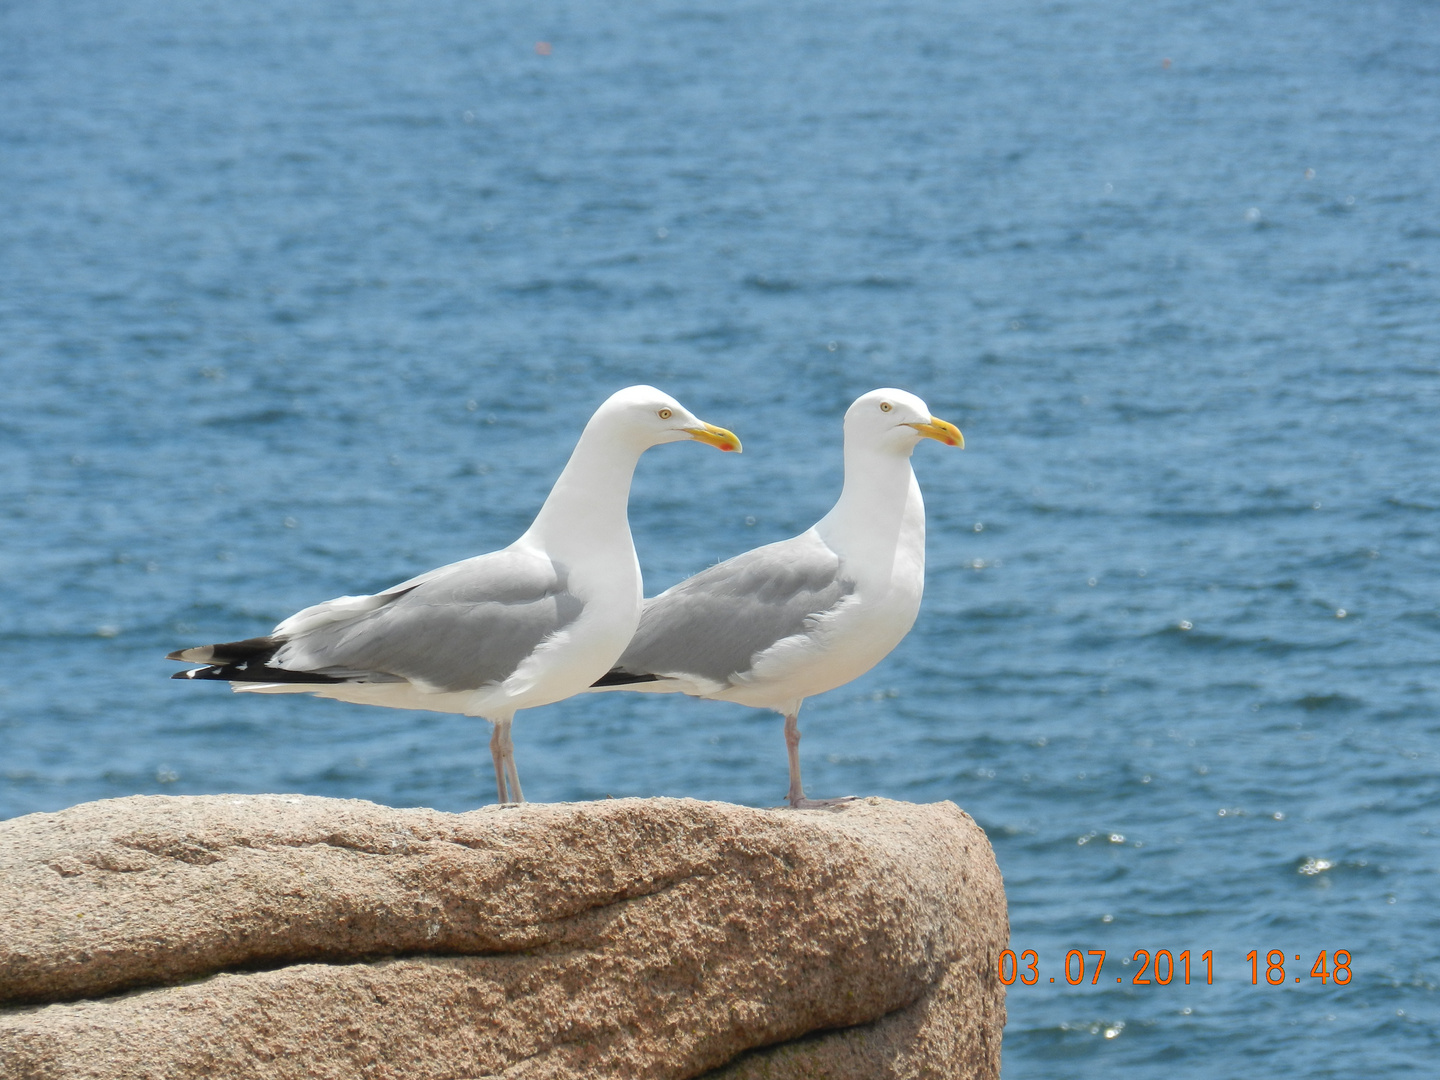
(1162, 967)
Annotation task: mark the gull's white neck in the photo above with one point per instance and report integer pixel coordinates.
(584, 517)
(879, 510)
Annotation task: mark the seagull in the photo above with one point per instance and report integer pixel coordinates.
(789, 620)
(530, 624)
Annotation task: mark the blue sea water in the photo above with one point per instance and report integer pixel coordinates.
(301, 300)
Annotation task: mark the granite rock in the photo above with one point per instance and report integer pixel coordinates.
(269, 936)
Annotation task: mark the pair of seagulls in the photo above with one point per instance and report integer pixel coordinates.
(562, 611)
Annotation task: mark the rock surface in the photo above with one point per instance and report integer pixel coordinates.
(267, 936)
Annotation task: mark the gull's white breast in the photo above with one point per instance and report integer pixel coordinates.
(568, 662)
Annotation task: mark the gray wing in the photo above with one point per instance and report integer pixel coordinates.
(460, 627)
(713, 624)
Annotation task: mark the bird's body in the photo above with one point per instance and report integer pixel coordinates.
(531, 624)
(796, 618)
(414, 646)
(788, 620)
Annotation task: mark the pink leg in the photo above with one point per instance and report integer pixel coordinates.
(511, 775)
(497, 755)
(797, 798)
(792, 747)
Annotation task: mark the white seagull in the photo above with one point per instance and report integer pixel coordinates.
(783, 622)
(527, 625)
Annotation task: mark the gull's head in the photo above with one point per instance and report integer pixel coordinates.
(651, 417)
(896, 420)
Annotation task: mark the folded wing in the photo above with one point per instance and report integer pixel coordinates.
(712, 626)
(460, 627)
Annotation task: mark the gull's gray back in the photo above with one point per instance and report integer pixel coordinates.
(713, 624)
(457, 628)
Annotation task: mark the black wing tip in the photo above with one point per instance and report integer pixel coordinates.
(228, 652)
(256, 672)
(234, 661)
(623, 678)
(202, 673)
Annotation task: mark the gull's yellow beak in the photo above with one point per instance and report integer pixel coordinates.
(941, 430)
(716, 436)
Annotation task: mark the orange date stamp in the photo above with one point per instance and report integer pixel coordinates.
(1164, 968)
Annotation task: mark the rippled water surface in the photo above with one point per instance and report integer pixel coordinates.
(297, 301)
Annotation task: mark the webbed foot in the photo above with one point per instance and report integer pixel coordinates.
(803, 803)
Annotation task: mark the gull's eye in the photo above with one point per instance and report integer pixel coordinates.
(665, 414)
(885, 406)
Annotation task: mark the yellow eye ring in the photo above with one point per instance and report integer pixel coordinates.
(885, 406)
(665, 414)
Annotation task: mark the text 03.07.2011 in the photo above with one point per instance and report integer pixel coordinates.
(1164, 968)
